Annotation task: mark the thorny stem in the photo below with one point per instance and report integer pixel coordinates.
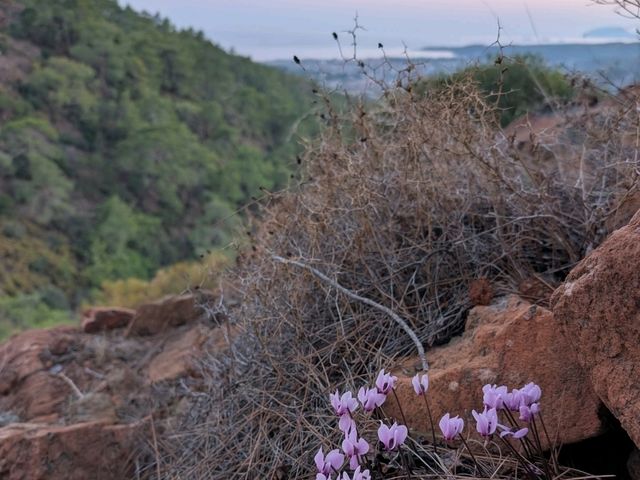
(433, 430)
(403, 324)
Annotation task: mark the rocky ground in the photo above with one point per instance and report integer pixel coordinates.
(82, 402)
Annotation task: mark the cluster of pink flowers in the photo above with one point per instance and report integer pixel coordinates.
(354, 447)
(523, 401)
(496, 399)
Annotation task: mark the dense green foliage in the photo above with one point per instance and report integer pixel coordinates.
(126, 144)
(518, 85)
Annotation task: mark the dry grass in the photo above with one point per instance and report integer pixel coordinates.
(403, 202)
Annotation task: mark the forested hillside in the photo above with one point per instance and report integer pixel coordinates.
(123, 144)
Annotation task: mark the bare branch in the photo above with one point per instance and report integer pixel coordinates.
(396, 318)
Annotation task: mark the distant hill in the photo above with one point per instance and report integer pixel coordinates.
(613, 33)
(124, 144)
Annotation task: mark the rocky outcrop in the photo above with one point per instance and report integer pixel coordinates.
(75, 404)
(170, 312)
(598, 312)
(510, 342)
(95, 450)
(106, 318)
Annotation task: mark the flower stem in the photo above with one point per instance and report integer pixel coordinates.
(433, 430)
(536, 435)
(405, 462)
(528, 446)
(404, 420)
(519, 457)
(478, 466)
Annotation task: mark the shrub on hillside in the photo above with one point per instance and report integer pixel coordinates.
(515, 85)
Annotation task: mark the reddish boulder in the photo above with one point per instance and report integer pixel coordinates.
(98, 319)
(177, 356)
(93, 450)
(511, 342)
(27, 386)
(598, 311)
(169, 312)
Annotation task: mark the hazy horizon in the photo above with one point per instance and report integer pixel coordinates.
(283, 28)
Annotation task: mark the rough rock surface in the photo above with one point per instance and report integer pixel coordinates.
(106, 318)
(598, 311)
(511, 342)
(94, 450)
(72, 404)
(169, 312)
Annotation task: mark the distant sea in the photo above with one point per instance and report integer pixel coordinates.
(278, 53)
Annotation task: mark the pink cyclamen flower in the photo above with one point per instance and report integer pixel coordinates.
(370, 398)
(354, 447)
(513, 400)
(385, 382)
(487, 422)
(508, 432)
(357, 475)
(346, 424)
(451, 426)
(531, 393)
(329, 464)
(420, 384)
(528, 412)
(392, 437)
(343, 405)
(492, 396)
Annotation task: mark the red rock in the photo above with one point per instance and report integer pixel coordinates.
(177, 356)
(179, 353)
(8, 379)
(91, 450)
(171, 311)
(99, 319)
(26, 385)
(598, 312)
(536, 290)
(511, 342)
(481, 292)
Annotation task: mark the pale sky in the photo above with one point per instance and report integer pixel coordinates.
(270, 29)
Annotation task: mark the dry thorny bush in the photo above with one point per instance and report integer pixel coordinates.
(402, 201)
